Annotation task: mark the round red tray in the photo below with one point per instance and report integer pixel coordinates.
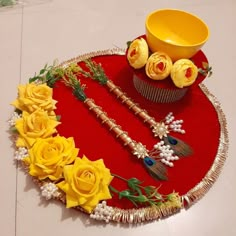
(204, 123)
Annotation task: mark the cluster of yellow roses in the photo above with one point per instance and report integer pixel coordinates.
(159, 66)
(54, 158)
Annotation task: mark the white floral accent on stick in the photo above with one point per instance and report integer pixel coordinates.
(174, 125)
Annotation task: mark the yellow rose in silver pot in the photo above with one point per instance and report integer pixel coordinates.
(184, 73)
(158, 66)
(138, 52)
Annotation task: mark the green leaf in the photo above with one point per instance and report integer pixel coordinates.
(33, 79)
(141, 199)
(128, 44)
(205, 65)
(58, 117)
(14, 130)
(79, 93)
(149, 190)
(133, 183)
(125, 194)
(42, 71)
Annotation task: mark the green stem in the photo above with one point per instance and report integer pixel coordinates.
(118, 176)
(113, 189)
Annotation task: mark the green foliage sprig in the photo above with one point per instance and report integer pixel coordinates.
(144, 195)
(48, 74)
(206, 70)
(51, 74)
(7, 2)
(96, 71)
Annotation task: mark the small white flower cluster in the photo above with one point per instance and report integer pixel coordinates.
(49, 190)
(21, 153)
(102, 212)
(15, 116)
(174, 125)
(166, 153)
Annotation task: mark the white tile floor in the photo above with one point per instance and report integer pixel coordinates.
(41, 31)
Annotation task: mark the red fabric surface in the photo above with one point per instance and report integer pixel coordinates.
(95, 141)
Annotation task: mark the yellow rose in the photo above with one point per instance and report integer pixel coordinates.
(184, 73)
(35, 125)
(32, 97)
(86, 183)
(48, 157)
(158, 66)
(137, 54)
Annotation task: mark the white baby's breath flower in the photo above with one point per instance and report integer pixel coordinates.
(49, 190)
(21, 153)
(15, 116)
(102, 212)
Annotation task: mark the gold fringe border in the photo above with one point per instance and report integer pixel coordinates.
(205, 184)
(136, 216)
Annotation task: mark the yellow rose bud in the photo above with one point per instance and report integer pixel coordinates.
(184, 73)
(32, 97)
(48, 157)
(138, 53)
(86, 183)
(35, 125)
(158, 66)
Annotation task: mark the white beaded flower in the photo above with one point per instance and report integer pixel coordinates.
(21, 153)
(102, 212)
(165, 153)
(49, 190)
(174, 125)
(15, 116)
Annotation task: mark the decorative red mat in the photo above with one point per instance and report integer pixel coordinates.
(204, 123)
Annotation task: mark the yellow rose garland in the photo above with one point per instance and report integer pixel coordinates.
(54, 161)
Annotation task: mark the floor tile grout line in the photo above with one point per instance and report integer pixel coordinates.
(20, 70)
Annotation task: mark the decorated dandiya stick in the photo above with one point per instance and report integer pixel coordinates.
(154, 160)
(160, 129)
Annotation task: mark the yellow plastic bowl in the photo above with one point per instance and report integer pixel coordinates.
(177, 33)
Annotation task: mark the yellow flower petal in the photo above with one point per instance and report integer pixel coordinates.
(137, 54)
(158, 66)
(35, 125)
(42, 164)
(32, 97)
(87, 183)
(184, 73)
